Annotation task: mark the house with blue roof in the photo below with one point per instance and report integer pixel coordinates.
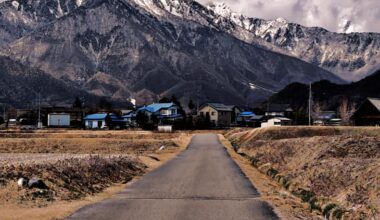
(249, 118)
(96, 121)
(110, 120)
(163, 111)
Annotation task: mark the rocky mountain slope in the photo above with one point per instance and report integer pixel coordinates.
(351, 56)
(19, 18)
(20, 86)
(141, 48)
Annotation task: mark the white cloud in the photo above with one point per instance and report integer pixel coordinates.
(364, 15)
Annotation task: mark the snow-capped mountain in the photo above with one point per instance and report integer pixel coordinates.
(146, 49)
(351, 56)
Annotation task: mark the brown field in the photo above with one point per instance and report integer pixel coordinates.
(86, 142)
(79, 167)
(334, 170)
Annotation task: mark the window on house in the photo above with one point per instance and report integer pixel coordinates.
(212, 113)
(202, 114)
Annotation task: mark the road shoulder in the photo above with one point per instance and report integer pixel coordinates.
(285, 205)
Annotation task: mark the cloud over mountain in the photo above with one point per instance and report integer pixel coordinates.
(363, 16)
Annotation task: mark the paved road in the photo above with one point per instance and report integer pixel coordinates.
(202, 182)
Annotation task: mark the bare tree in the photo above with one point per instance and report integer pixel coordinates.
(346, 111)
(316, 111)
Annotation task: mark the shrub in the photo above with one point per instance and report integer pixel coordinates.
(328, 208)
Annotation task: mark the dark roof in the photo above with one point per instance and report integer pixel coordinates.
(279, 108)
(375, 102)
(220, 107)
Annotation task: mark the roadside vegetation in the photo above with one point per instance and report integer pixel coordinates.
(74, 165)
(333, 169)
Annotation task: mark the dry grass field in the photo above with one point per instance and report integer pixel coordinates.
(333, 169)
(77, 166)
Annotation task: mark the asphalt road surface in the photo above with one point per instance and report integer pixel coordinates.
(202, 182)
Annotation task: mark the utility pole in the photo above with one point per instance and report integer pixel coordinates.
(310, 103)
(4, 112)
(39, 125)
(83, 112)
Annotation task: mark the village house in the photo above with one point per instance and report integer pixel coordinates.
(368, 113)
(276, 122)
(96, 121)
(248, 118)
(220, 115)
(327, 118)
(235, 114)
(162, 111)
(129, 118)
(279, 110)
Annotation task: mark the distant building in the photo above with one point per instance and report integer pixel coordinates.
(129, 118)
(235, 114)
(162, 111)
(96, 121)
(220, 115)
(58, 120)
(368, 113)
(76, 114)
(327, 118)
(248, 118)
(278, 110)
(277, 122)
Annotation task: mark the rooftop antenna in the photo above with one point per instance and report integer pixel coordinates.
(310, 103)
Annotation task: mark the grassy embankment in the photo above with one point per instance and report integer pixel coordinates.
(333, 169)
(79, 167)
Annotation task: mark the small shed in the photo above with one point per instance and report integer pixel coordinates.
(96, 121)
(278, 121)
(58, 120)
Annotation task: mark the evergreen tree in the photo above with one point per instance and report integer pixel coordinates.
(191, 105)
(142, 119)
(77, 103)
(104, 104)
(164, 100)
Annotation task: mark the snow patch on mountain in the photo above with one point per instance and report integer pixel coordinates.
(15, 4)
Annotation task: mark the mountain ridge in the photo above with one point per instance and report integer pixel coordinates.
(351, 56)
(329, 94)
(119, 50)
